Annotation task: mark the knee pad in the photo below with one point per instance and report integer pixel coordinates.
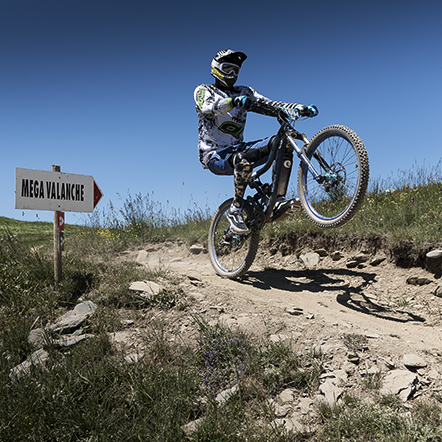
(242, 166)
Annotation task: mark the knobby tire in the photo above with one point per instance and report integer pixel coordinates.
(332, 204)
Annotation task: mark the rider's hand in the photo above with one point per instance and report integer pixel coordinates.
(243, 101)
(307, 111)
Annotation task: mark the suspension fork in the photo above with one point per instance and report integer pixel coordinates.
(300, 151)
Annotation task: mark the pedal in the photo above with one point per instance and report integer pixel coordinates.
(294, 207)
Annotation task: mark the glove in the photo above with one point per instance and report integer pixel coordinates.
(307, 111)
(242, 101)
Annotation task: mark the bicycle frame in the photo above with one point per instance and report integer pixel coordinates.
(285, 133)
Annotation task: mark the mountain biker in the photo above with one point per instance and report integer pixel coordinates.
(222, 113)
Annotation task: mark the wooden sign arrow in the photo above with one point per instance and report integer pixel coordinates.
(56, 191)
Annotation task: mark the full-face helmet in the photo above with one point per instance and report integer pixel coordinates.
(226, 65)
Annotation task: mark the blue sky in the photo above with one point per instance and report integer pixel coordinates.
(105, 88)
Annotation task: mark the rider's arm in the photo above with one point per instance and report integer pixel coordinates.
(275, 104)
(303, 110)
(210, 104)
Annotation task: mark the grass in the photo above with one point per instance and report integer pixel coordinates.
(406, 208)
(89, 393)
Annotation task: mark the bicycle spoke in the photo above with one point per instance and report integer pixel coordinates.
(339, 156)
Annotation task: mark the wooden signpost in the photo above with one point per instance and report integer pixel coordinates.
(59, 192)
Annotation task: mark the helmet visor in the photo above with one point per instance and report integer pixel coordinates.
(229, 68)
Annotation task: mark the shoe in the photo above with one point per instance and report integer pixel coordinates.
(236, 220)
(284, 208)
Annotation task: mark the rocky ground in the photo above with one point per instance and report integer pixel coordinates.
(374, 320)
(368, 315)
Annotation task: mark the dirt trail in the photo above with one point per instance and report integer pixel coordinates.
(330, 300)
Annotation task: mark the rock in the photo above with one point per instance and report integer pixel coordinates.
(352, 263)
(435, 254)
(434, 261)
(433, 374)
(290, 424)
(219, 308)
(36, 336)
(86, 308)
(341, 377)
(305, 405)
(361, 257)
(69, 341)
(193, 278)
(399, 382)
(353, 357)
(121, 337)
(191, 427)
(438, 291)
(278, 338)
(418, 280)
(147, 287)
(196, 250)
(74, 318)
(282, 410)
(287, 395)
(279, 410)
(377, 260)
(310, 259)
(37, 358)
(243, 320)
(331, 391)
(295, 311)
(322, 253)
(387, 363)
(336, 256)
(413, 361)
(227, 319)
(225, 395)
(133, 358)
(142, 257)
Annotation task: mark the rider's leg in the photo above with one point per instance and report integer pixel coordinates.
(242, 173)
(250, 155)
(242, 163)
(255, 152)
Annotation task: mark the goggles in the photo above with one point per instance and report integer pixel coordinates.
(229, 68)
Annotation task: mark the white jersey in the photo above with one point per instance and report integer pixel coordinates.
(220, 124)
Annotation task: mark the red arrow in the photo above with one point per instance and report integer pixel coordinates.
(98, 194)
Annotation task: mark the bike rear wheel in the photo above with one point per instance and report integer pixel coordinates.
(231, 254)
(339, 155)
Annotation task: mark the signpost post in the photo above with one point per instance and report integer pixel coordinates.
(57, 248)
(59, 192)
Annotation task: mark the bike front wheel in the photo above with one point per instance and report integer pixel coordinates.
(339, 156)
(231, 254)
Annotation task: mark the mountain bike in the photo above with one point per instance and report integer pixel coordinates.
(332, 181)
